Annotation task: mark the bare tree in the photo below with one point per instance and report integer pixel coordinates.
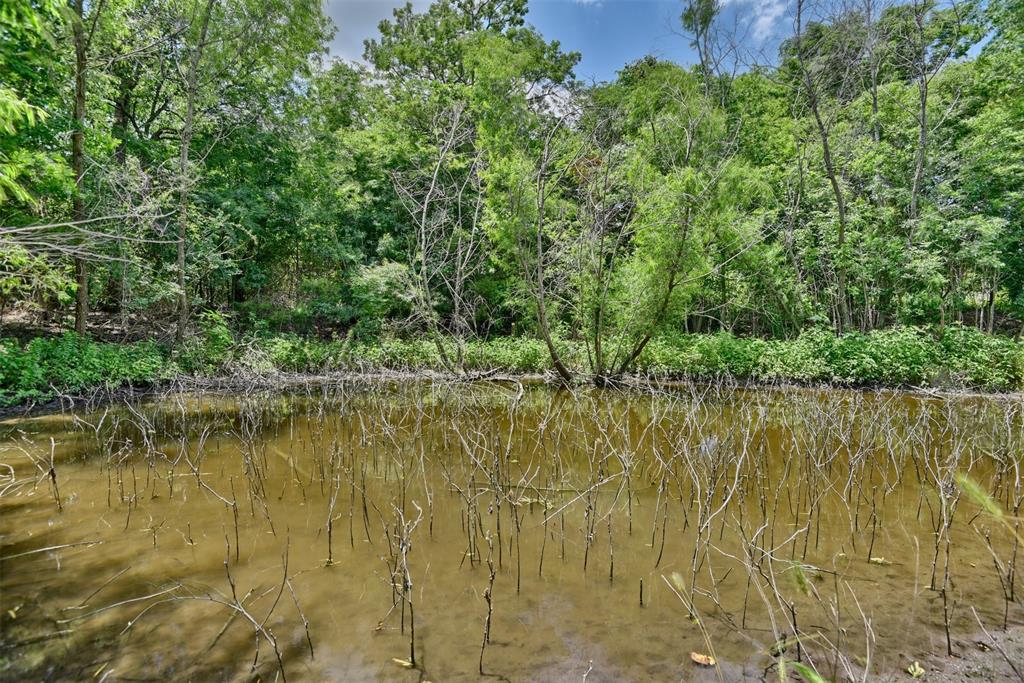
(444, 198)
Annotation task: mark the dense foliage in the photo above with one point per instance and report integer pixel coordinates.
(853, 211)
(72, 364)
(961, 357)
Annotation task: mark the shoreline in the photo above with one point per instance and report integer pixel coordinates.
(247, 380)
(981, 657)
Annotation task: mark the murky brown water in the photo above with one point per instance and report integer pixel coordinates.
(739, 512)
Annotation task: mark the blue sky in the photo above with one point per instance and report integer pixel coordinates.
(608, 33)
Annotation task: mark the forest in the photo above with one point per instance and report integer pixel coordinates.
(195, 185)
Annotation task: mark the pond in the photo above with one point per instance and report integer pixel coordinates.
(423, 530)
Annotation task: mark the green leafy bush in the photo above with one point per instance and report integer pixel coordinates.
(71, 363)
(379, 293)
(329, 303)
(899, 356)
(513, 354)
(956, 356)
(804, 359)
(212, 349)
(976, 359)
(266, 316)
(293, 353)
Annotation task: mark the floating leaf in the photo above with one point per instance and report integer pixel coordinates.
(915, 670)
(703, 660)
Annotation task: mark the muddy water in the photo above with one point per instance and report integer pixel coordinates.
(228, 538)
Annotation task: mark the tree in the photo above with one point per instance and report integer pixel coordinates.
(228, 47)
(821, 58)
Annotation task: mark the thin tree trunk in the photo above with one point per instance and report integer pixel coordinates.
(185, 188)
(78, 162)
(922, 143)
(992, 307)
(844, 321)
(542, 313)
(120, 123)
(540, 291)
(833, 179)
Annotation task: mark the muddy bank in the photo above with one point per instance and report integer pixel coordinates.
(997, 656)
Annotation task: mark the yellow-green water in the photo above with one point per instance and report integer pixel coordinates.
(737, 510)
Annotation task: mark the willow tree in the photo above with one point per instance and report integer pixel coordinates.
(688, 207)
(613, 209)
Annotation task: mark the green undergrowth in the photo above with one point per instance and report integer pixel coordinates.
(36, 371)
(906, 356)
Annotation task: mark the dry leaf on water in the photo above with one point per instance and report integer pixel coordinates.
(703, 660)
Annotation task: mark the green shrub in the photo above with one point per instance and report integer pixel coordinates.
(511, 354)
(903, 355)
(804, 359)
(379, 293)
(272, 317)
(899, 356)
(293, 353)
(212, 349)
(71, 363)
(960, 356)
(977, 359)
(329, 303)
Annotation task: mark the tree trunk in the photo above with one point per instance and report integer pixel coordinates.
(185, 186)
(922, 143)
(833, 179)
(78, 163)
(120, 123)
(541, 297)
(992, 307)
(540, 286)
(921, 61)
(843, 321)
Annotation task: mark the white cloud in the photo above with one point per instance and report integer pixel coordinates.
(764, 15)
(357, 20)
